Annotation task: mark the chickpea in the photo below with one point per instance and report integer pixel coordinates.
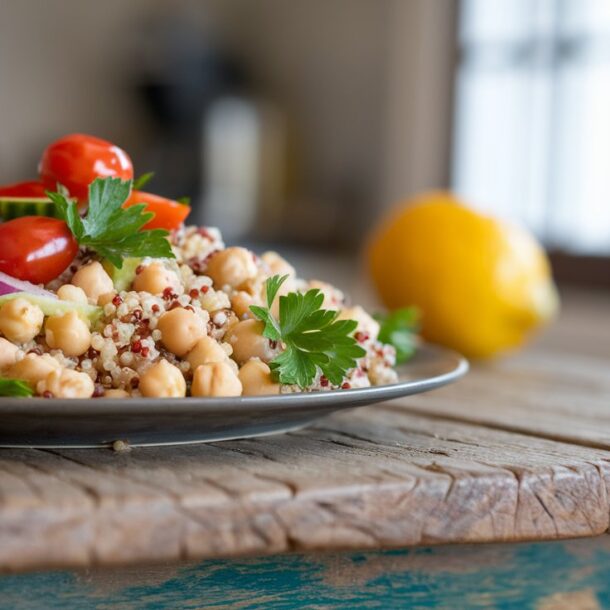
(180, 330)
(106, 298)
(232, 267)
(206, 350)
(278, 265)
(256, 380)
(246, 339)
(155, 278)
(8, 353)
(255, 286)
(33, 368)
(94, 280)
(116, 394)
(20, 320)
(66, 383)
(215, 379)
(163, 380)
(69, 333)
(234, 366)
(69, 292)
(240, 304)
(366, 323)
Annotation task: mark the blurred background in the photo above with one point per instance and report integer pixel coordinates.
(302, 122)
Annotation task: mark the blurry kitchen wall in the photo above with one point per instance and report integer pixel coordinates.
(72, 65)
(307, 118)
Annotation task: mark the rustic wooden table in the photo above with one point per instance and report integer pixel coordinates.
(517, 451)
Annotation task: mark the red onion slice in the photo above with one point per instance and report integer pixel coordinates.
(9, 284)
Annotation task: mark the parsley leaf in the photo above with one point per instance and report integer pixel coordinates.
(15, 387)
(111, 230)
(313, 337)
(399, 328)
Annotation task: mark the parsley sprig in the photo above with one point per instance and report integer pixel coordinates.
(399, 328)
(313, 337)
(15, 387)
(112, 231)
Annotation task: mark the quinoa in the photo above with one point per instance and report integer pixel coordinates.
(126, 341)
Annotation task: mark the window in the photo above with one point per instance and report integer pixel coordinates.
(532, 123)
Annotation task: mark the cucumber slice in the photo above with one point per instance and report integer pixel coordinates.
(56, 307)
(15, 207)
(122, 278)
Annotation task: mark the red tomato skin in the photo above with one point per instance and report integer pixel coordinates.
(35, 248)
(75, 161)
(169, 214)
(31, 188)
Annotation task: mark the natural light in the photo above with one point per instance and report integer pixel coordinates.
(532, 136)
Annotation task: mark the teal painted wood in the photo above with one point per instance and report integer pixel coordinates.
(572, 575)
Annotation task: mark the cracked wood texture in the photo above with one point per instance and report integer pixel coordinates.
(518, 450)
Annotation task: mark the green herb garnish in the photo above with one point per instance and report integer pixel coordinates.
(184, 200)
(15, 387)
(313, 337)
(112, 231)
(399, 328)
(141, 181)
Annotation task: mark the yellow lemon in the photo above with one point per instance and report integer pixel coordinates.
(482, 285)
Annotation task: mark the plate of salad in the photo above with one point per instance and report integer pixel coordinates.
(120, 322)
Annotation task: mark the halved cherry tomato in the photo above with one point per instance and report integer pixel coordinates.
(169, 214)
(75, 161)
(35, 248)
(31, 188)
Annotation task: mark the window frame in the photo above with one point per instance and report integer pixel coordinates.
(568, 267)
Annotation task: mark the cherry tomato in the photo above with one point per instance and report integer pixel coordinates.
(35, 248)
(169, 214)
(75, 161)
(31, 188)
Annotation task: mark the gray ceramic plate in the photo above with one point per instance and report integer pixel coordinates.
(36, 422)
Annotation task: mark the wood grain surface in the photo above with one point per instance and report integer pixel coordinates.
(519, 450)
(559, 388)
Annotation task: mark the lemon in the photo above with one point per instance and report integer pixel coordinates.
(483, 285)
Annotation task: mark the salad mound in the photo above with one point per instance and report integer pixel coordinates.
(111, 295)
